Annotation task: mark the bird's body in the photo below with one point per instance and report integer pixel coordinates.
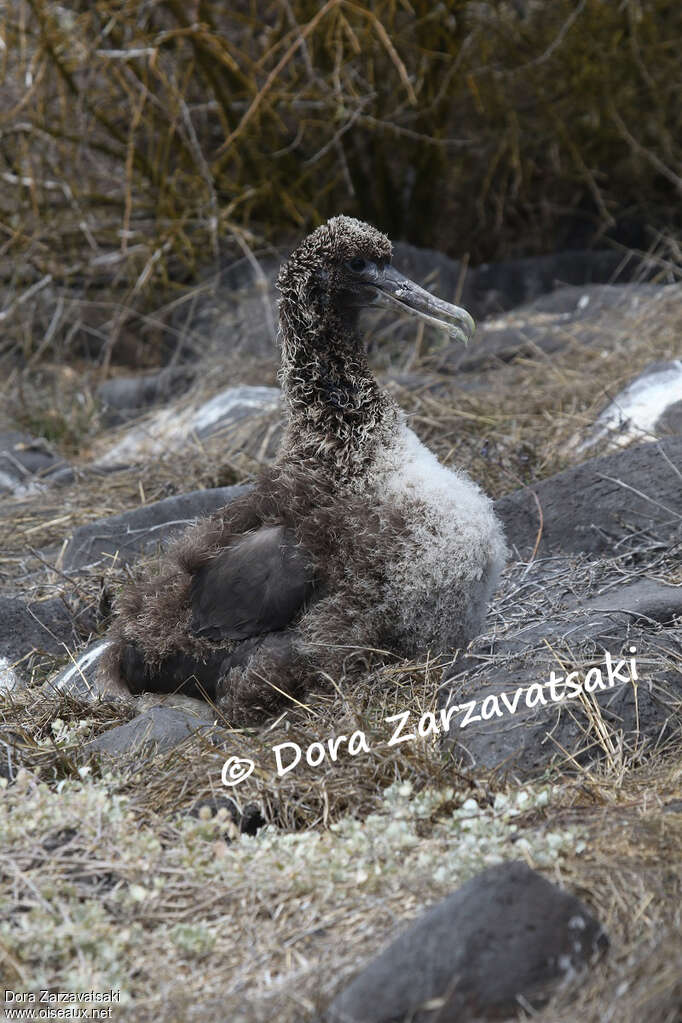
(356, 537)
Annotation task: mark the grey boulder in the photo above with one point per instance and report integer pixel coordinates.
(161, 728)
(505, 936)
(592, 507)
(550, 323)
(133, 533)
(122, 398)
(512, 708)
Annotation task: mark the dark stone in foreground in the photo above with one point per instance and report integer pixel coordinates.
(507, 933)
(165, 727)
(42, 625)
(646, 599)
(132, 533)
(592, 506)
(526, 743)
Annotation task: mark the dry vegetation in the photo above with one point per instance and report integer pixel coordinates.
(142, 143)
(121, 880)
(112, 881)
(139, 140)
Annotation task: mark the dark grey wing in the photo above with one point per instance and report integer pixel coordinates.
(256, 585)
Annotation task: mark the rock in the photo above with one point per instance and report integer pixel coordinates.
(505, 938)
(235, 311)
(164, 727)
(618, 608)
(595, 505)
(26, 463)
(495, 287)
(122, 398)
(132, 533)
(584, 301)
(650, 406)
(551, 323)
(173, 428)
(430, 268)
(30, 629)
(492, 288)
(627, 722)
(518, 715)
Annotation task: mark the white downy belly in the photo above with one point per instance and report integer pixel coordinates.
(451, 554)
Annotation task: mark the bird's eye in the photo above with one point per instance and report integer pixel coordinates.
(357, 264)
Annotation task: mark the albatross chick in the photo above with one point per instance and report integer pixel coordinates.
(355, 537)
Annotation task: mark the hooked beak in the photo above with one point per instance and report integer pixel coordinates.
(397, 292)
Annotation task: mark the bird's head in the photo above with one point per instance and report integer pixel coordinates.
(345, 266)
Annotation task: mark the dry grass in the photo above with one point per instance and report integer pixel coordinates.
(113, 880)
(140, 142)
(113, 883)
(503, 443)
(133, 150)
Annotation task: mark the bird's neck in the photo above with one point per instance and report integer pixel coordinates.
(338, 415)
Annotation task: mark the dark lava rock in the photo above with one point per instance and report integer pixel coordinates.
(516, 712)
(621, 606)
(582, 302)
(595, 505)
(430, 268)
(506, 344)
(122, 398)
(508, 934)
(27, 629)
(236, 311)
(549, 324)
(527, 742)
(163, 727)
(495, 287)
(492, 288)
(26, 461)
(132, 533)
